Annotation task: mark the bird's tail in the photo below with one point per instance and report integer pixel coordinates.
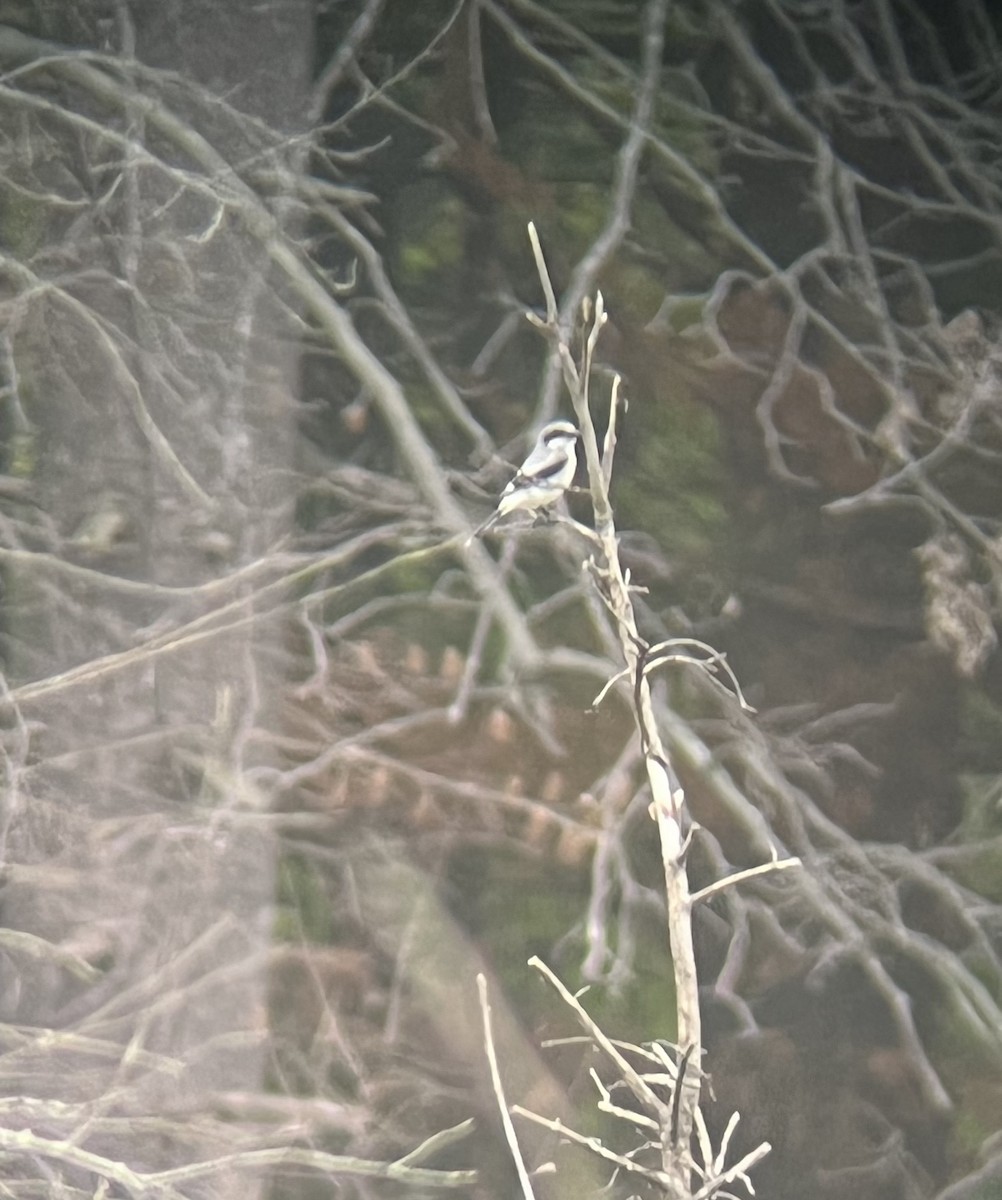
(482, 529)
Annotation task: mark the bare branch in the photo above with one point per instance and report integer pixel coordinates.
(492, 1059)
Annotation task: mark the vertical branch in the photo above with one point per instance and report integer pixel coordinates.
(667, 799)
(667, 796)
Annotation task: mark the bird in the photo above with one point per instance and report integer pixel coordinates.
(542, 479)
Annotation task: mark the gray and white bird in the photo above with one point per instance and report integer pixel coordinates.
(544, 476)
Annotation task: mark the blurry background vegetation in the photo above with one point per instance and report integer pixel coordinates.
(277, 785)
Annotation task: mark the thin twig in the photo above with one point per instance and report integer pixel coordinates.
(509, 1129)
(631, 1077)
(555, 1125)
(740, 876)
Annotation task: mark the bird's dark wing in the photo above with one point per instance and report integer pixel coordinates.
(540, 475)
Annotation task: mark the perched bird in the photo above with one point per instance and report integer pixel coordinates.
(544, 476)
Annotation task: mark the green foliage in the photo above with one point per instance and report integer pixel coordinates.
(643, 1008)
(24, 223)
(600, 19)
(981, 732)
(552, 140)
(430, 243)
(669, 478)
(303, 906)
(982, 811)
(402, 575)
(686, 313)
(518, 910)
(980, 832)
(967, 1138)
(21, 454)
